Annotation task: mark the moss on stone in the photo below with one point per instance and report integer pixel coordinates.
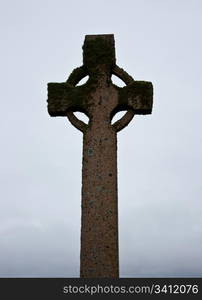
(98, 51)
(76, 75)
(99, 60)
(141, 89)
(64, 96)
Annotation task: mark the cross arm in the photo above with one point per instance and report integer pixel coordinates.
(63, 97)
(137, 96)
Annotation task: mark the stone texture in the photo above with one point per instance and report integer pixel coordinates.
(100, 99)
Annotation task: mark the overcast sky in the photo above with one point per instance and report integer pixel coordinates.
(159, 155)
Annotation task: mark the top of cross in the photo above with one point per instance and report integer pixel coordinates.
(99, 53)
(99, 93)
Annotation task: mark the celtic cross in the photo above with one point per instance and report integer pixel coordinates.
(100, 100)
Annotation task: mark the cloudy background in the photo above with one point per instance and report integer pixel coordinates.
(159, 155)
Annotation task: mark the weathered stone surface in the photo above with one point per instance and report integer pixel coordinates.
(99, 60)
(100, 99)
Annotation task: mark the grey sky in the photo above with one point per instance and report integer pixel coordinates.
(159, 156)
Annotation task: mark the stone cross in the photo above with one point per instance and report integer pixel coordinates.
(100, 100)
